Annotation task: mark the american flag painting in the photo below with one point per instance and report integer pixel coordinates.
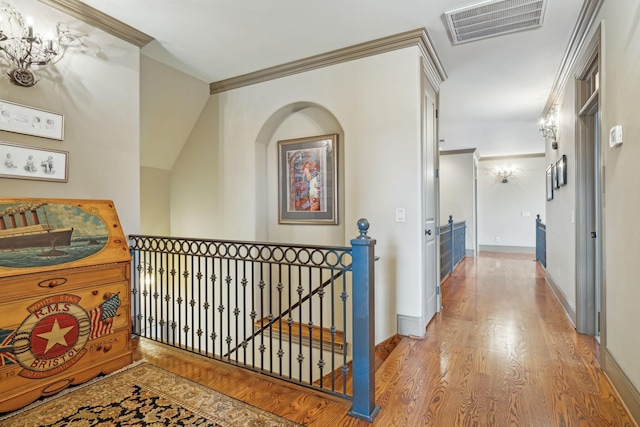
(102, 317)
(6, 347)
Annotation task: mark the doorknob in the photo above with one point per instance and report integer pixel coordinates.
(593, 235)
(427, 232)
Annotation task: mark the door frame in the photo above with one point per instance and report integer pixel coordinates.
(589, 205)
(429, 124)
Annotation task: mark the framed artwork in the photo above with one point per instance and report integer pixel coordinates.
(22, 162)
(554, 171)
(561, 170)
(550, 182)
(31, 121)
(308, 180)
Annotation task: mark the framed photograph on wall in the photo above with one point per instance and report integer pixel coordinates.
(550, 182)
(22, 162)
(561, 170)
(31, 121)
(308, 180)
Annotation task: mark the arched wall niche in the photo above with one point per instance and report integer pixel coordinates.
(296, 120)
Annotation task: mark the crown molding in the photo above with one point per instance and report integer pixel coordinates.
(585, 21)
(513, 156)
(419, 37)
(97, 19)
(461, 151)
(432, 66)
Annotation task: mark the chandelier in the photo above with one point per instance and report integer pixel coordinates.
(25, 50)
(549, 126)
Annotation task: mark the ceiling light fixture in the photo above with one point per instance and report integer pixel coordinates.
(24, 50)
(549, 127)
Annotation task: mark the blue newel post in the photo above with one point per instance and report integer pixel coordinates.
(364, 386)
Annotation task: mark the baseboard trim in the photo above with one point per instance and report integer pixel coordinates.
(470, 252)
(562, 299)
(508, 249)
(623, 386)
(410, 326)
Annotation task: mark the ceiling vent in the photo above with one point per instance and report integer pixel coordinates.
(494, 18)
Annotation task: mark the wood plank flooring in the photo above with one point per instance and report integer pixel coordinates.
(501, 353)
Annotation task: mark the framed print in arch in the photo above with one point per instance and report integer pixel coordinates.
(561, 169)
(22, 162)
(31, 121)
(308, 180)
(550, 183)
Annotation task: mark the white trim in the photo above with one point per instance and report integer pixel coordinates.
(508, 249)
(433, 67)
(411, 326)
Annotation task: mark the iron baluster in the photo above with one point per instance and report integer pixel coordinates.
(273, 271)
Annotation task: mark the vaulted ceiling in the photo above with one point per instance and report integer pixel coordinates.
(496, 88)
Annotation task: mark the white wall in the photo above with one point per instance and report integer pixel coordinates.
(619, 94)
(97, 90)
(155, 203)
(457, 192)
(501, 206)
(196, 179)
(621, 91)
(561, 211)
(376, 103)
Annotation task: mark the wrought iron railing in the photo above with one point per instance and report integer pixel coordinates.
(452, 246)
(283, 310)
(541, 242)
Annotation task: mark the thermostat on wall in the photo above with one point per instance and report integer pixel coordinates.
(615, 136)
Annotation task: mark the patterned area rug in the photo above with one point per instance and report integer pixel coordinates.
(143, 395)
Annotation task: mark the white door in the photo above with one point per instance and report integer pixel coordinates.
(431, 273)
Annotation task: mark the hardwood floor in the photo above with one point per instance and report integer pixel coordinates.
(501, 353)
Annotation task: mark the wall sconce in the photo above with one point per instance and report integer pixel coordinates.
(549, 126)
(503, 173)
(22, 49)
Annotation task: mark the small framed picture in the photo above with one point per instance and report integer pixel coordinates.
(550, 182)
(561, 170)
(308, 180)
(22, 162)
(31, 121)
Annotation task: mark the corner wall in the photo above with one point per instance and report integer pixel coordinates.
(458, 192)
(170, 105)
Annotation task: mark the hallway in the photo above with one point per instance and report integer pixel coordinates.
(501, 353)
(509, 355)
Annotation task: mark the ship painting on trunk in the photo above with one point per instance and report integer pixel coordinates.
(36, 234)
